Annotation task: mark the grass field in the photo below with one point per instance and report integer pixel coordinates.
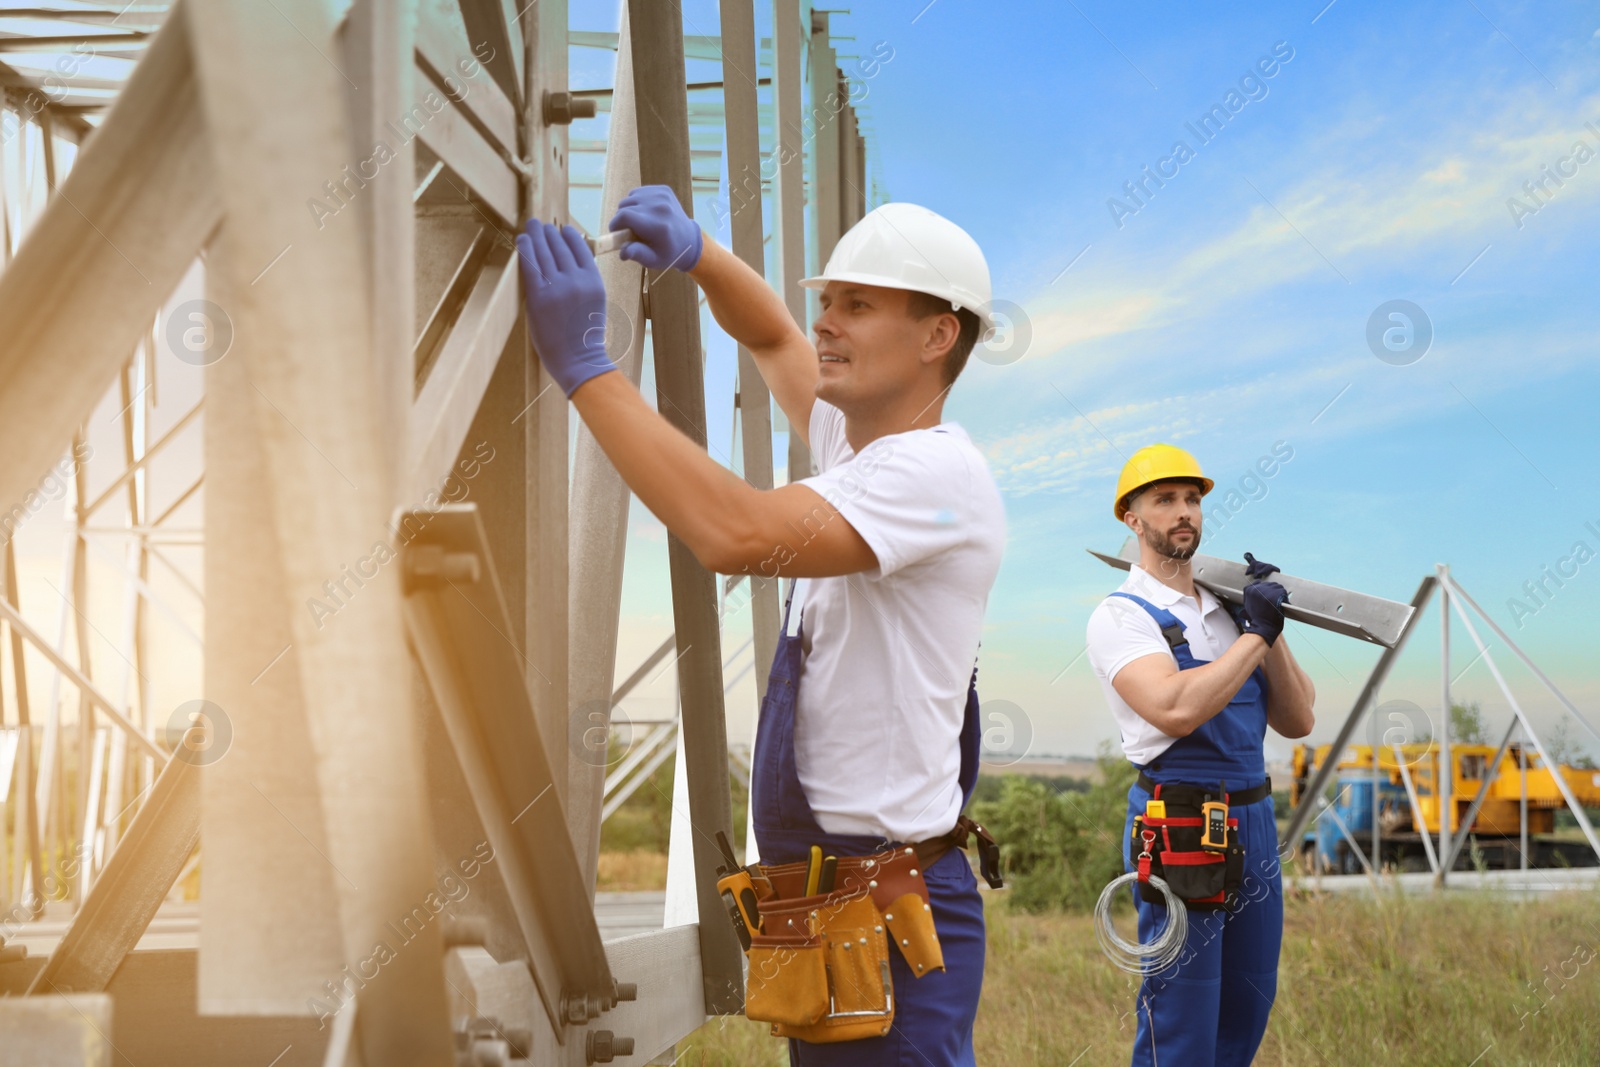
(1421, 981)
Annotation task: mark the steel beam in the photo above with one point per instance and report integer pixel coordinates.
(1444, 778)
(664, 965)
(94, 270)
(471, 155)
(454, 389)
(598, 520)
(86, 688)
(135, 466)
(498, 24)
(275, 141)
(789, 189)
(826, 210)
(26, 819)
(658, 66)
(744, 210)
(133, 884)
(1416, 808)
(266, 848)
(458, 624)
(446, 55)
(378, 41)
(1343, 611)
(546, 415)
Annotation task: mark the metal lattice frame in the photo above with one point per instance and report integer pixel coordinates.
(376, 356)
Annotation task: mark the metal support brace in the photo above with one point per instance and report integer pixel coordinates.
(457, 621)
(1416, 809)
(133, 884)
(1516, 708)
(1477, 802)
(1324, 773)
(657, 38)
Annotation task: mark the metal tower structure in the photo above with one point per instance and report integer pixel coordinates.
(264, 344)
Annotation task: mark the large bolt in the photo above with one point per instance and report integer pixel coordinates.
(602, 1046)
(561, 108)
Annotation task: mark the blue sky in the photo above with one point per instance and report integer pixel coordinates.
(1229, 312)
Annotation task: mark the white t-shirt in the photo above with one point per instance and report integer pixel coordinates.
(888, 653)
(1121, 631)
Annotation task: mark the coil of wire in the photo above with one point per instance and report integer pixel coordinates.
(1132, 956)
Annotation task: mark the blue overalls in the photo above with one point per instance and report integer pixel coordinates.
(933, 1013)
(1210, 1008)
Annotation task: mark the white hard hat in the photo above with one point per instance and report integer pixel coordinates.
(905, 246)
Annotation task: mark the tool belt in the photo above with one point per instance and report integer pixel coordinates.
(1186, 837)
(819, 964)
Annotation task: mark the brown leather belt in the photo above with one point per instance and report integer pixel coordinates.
(931, 850)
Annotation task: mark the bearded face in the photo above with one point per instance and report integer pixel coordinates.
(1179, 542)
(1168, 518)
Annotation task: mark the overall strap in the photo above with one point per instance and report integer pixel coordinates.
(783, 631)
(1171, 628)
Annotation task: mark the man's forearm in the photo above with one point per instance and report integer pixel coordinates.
(693, 495)
(1291, 696)
(1178, 702)
(1207, 689)
(741, 301)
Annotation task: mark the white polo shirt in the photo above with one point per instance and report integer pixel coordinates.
(1121, 631)
(888, 653)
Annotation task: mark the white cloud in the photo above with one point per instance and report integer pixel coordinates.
(1364, 197)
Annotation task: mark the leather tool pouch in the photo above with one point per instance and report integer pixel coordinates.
(1203, 878)
(819, 968)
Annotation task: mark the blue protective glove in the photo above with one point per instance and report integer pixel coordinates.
(566, 302)
(664, 235)
(1262, 613)
(1254, 568)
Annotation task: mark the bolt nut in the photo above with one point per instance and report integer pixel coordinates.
(602, 1046)
(561, 108)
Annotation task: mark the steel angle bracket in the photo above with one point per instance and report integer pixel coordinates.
(1327, 607)
(458, 627)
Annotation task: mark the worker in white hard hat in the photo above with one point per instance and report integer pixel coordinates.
(1194, 682)
(867, 745)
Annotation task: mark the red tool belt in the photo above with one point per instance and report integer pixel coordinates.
(1203, 870)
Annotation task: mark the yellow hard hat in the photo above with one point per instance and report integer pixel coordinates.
(1157, 463)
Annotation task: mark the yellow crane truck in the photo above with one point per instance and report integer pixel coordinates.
(1402, 805)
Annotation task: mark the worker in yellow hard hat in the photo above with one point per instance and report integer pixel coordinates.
(1194, 681)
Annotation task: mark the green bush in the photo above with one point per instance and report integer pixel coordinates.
(1060, 846)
